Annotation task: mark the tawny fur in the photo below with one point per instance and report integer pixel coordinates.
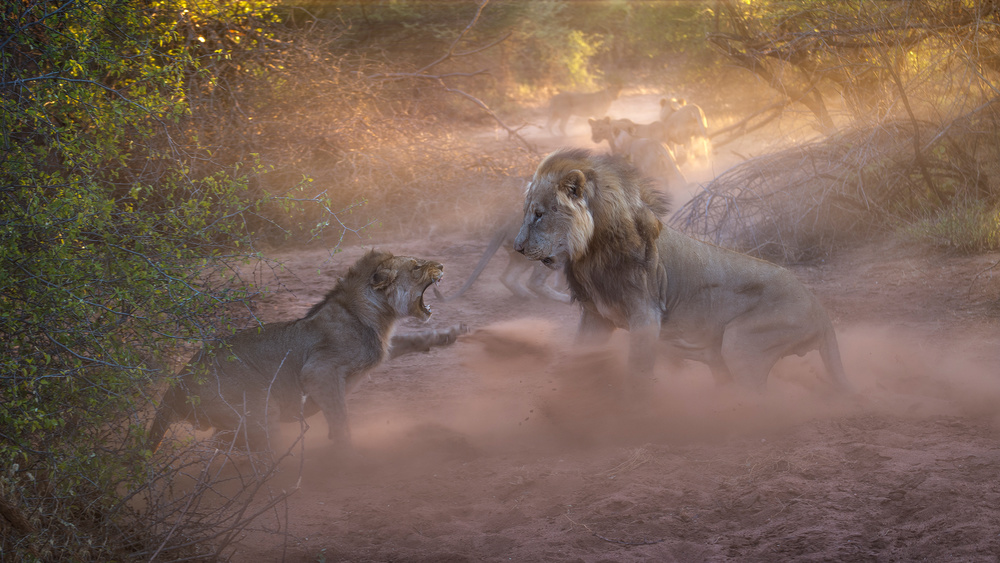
(590, 104)
(612, 131)
(309, 364)
(642, 145)
(685, 127)
(627, 270)
(654, 160)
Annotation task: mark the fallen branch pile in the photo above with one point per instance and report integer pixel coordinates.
(803, 202)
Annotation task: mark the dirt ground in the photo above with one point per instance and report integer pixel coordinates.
(512, 445)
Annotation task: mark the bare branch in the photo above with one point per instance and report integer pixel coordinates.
(439, 79)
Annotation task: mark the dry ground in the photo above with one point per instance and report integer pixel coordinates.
(511, 445)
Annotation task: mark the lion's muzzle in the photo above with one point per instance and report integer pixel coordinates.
(519, 241)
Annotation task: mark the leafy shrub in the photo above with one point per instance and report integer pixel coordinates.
(968, 226)
(123, 228)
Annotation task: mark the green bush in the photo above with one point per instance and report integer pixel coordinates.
(966, 227)
(121, 235)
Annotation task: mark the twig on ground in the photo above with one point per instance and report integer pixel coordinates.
(613, 540)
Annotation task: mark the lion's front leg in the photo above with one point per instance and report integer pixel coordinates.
(327, 387)
(644, 337)
(594, 330)
(424, 340)
(642, 352)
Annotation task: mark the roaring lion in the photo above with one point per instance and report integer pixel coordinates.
(517, 265)
(309, 364)
(628, 270)
(591, 104)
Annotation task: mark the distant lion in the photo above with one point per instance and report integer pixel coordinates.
(628, 270)
(654, 160)
(310, 364)
(685, 126)
(517, 266)
(611, 130)
(632, 141)
(592, 104)
(605, 129)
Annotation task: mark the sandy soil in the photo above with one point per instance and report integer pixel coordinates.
(512, 445)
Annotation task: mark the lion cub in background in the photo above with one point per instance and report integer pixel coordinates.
(310, 364)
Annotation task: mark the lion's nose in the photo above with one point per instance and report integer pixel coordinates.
(519, 244)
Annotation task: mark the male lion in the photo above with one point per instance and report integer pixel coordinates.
(310, 364)
(592, 104)
(517, 265)
(736, 313)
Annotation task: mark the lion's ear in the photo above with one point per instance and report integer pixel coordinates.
(383, 278)
(573, 183)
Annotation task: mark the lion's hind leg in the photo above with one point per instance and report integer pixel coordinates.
(244, 438)
(751, 348)
(720, 371)
(242, 427)
(829, 351)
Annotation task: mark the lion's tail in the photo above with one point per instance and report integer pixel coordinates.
(498, 239)
(829, 351)
(161, 422)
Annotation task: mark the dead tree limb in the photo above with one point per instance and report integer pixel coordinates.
(743, 126)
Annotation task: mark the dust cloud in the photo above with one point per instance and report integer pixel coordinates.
(516, 441)
(522, 385)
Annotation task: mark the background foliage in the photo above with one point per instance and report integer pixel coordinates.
(126, 210)
(908, 91)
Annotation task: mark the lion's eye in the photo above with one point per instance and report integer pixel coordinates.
(539, 213)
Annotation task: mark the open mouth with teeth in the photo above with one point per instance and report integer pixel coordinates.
(433, 281)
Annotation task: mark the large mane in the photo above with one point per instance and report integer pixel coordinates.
(623, 204)
(356, 278)
(622, 220)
